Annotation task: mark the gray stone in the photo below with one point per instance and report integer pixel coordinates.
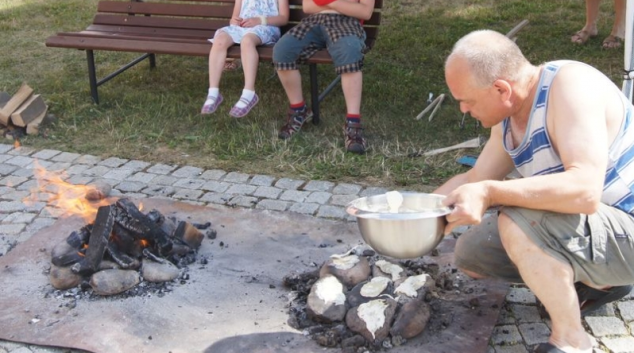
(187, 194)
(24, 172)
(319, 197)
(88, 159)
(243, 201)
(268, 192)
(330, 310)
(506, 318)
(216, 186)
(235, 177)
(130, 186)
(516, 348)
(40, 223)
(135, 165)
(627, 310)
(214, 174)
(603, 326)
(372, 191)
(188, 172)
(17, 195)
(22, 151)
(164, 180)
(273, 205)
(19, 217)
(35, 206)
(294, 195)
(109, 282)
(316, 185)
(241, 189)
(142, 177)
(526, 313)
(162, 169)
(4, 157)
(98, 170)
(159, 190)
(58, 167)
(113, 162)
(12, 206)
(342, 200)
(4, 148)
(289, 184)
(521, 296)
(534, 333)
(619, 344)
(19, 161)
(118, 174)
(262, 180)
(188, 183)
(80, 180)
(346, 189)
(155, 272)
(335, 212)
(6, 169)
(506, 334)
(46, 154)
(65, 157)
(216, 197)
(77, 169)
(304, 208)
(13, 228)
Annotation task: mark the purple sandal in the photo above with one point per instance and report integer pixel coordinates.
(240, 112)
(210, 108)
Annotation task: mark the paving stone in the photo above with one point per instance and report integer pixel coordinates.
(626, 308)
(604, 310)
(506, 334)
(162, 169)
(623, 344)
(273, 205)
(516, 348)
(346, 189)
(113, 162)
(23, 172)
(135, 165)
(319, 197)
(39, 164)
(19, 217)
(12, 180)
(187, 194)
(372, 191)
(159, 190)
(58, 167)
(4, 148)
(46, 154)
(602, 326)
(164, 180)
(134, 195)
(241, 189)
(289, 184)
(12, 206)
(243, 201)
(342, 200)
(80, 180)
(17, 195)
(20, 161)
(294, 195)
(214, 174)
(99, 170)
(268, 192)
(66, 157)
(506, 317)
(316, 185)
(131, 186)
(262, 180)
(77, 169)
(118, 174)
(336, 212)
(40, 223)
(534, 333)
(88, 159)
(142, 177)
(34, 206)
(521, 296)
(12, 228)
(6, 169)
(21, 350)
(216, 198)
(216, 186)
(22, 151)
(5, 157)
(235, 177)
(526, 313)
(187, 172)
(304, 208)
(188, 183)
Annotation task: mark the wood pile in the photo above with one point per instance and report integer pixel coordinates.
(21, 113)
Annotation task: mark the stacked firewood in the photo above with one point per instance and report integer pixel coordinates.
(21, 113)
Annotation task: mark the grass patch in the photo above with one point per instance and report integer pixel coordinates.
(152, 115)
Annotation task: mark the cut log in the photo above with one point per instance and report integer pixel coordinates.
(22, 95)
(30, 110)
(33, 128)
(97, 242)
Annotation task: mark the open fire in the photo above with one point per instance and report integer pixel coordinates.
(120, 246)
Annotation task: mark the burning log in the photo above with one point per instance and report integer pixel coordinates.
(98, 241)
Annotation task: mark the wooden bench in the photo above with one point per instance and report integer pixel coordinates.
(179, 27)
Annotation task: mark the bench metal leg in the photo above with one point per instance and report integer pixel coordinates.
(152, 61)
(92, 76)
(332, 85)
(314, 92)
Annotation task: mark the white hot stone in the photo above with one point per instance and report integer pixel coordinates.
(390, 268)
(373, 314)
(411, 285)
(375, 287)
(345, 262)
(330, 290)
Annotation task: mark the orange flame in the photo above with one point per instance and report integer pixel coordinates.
(65, 197)
(16, 143)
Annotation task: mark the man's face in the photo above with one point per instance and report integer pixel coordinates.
(482, 103)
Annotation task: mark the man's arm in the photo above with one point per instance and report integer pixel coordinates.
(361, 9)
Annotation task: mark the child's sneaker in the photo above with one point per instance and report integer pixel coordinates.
(210, 106)
(237, 112)
(353, 133)
(294, 122)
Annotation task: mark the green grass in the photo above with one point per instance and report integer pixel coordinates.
(153, 115)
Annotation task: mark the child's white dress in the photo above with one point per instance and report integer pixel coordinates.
(251, 9)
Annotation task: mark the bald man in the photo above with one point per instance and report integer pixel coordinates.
(565, 229)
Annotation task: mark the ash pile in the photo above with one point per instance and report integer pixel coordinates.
(361, 302)
(126, 252)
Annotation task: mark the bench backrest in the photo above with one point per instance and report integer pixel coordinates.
(189, 20)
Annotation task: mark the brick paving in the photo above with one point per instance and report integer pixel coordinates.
(519, 327)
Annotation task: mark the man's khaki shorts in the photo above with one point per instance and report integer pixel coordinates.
(599, 247)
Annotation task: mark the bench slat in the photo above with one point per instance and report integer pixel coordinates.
(165, 9)
(92, 34)
(143, 21)
(153, 31)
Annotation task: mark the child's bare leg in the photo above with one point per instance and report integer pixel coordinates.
(217, 56)
(292, 82)
(352, 85)
(250, 59)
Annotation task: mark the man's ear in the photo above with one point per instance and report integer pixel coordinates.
(503, 88)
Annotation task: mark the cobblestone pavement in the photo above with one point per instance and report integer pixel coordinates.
(519, 328)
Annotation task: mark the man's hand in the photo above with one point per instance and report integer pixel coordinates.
(469, 203)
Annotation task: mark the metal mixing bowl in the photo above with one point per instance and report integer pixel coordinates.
(414, 230)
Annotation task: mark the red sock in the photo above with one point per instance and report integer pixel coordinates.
(353, 118)
(298, 106)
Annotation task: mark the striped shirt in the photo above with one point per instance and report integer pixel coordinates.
(535, 154)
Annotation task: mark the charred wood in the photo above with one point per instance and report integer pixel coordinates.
(104, 222)
(134, 220)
